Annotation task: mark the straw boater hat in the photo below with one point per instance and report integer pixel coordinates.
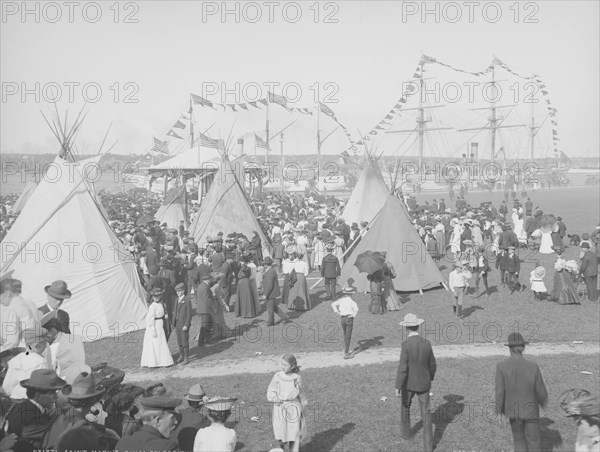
(349, 290)
(160, 403)
(220, 403)
(411, 320)
(43, 380)
(59, 290)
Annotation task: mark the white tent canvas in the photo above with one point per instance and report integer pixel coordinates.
(172, 210)
(368, 197)
(61, 235)
(197, 157)
(24, 197)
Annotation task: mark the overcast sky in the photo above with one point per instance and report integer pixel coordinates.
(156, 53)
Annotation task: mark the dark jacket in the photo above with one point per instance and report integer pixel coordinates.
(204, 299)
(182, 312)
(589, 264)
(270, 284)
(330, 266)
(148, 438)
(520, 388)
(508, 238)
(152, 259)
(63, 317)
(25, 420)
(417, 365)
(510, 264)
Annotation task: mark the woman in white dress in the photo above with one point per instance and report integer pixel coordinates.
(546, 243)
(217, 437)
(455, 238)
(318, 252)
(287, 395)
(519, 229)
(155, 352)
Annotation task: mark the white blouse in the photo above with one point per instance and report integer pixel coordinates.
(216, 438)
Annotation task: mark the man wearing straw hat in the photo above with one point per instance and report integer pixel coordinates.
(330, 271)
(520, 390)
(192, 418)
(458, 281)
(347, 309)
(31, 419)
(416, 371)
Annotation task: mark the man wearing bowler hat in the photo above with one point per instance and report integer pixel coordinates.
(57, 292)
(415, 373)
(192, 418)
(272, 291)
(182, 321)
(160, 419)
(205, 308)
(520, 390)
(31, 419)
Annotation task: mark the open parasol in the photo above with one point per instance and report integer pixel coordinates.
(369, 262)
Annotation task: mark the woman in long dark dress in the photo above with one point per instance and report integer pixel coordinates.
(246, 305)
(564, 291)
(377, 301)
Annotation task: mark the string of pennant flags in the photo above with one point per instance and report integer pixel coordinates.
(409, 90)
(179, 129)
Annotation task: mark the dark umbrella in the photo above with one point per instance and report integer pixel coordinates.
(369, 262)
(144, 219)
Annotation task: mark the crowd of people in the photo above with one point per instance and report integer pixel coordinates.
(46, 370)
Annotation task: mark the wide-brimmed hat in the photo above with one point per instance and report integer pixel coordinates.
(58, 290)
(267, 261)
(585, 245)
(220, 403)
(43, 380)
(195, 394)
(84, 387)
(411, 320)
(330, 246)
(157, 292)
(349, 290)
(516, 340)
(160, 403)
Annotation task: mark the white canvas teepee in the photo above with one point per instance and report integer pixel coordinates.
(226, 209)
(172, 210)
(61, 235)
(24, 197)
(368, 197)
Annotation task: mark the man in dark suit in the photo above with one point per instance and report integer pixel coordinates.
(416, 371)
(520, 390)
(30, 419)
(507, 238)
(330, 271)
(57, 292)
(152, 260)
(192, 418)
(270, 285)
(589, 270)
(512, 266)
(442, 207)
(205, 308)
(182, 320)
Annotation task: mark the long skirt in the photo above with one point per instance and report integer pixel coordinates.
(289, 423)
(254, 288)
(441, 243)
(390, 296)
(377, 301)
(564, 291)
(155, 351)
(298, 295)
(285, 293)
(221, 329)
(245, 305)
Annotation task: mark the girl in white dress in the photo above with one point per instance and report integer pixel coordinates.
(155, 352)
(217, 437)
(287, 395)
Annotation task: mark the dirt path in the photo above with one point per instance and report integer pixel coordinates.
(315, 360)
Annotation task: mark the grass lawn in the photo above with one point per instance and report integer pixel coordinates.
(487, 320)
(345, 411)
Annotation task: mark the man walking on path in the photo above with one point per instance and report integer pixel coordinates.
(330, 270)
(271, 289)
(520, 390)
(347, 308)
(589, 271)
(415, 373)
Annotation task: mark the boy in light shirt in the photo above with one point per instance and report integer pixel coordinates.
(458, 280)
(347, 308)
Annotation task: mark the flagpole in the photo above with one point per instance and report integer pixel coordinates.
(267, 130)
(282, 160)
(191, 121)
(318, 146)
